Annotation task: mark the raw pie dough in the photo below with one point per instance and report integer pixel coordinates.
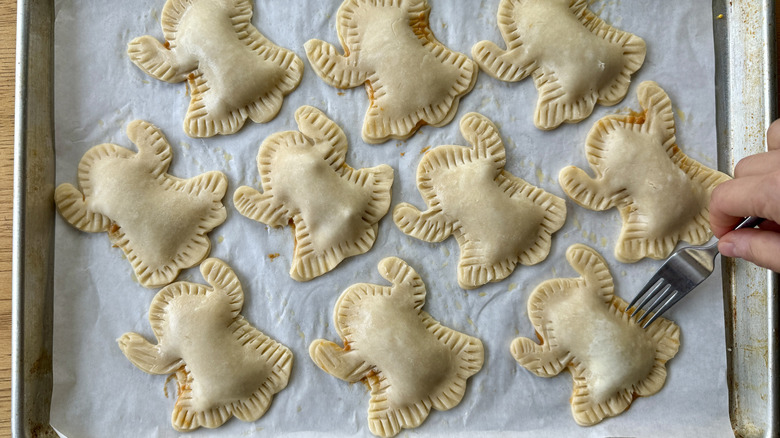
(409, 360)
(499, 220)
(334, 209)
(233, 71)
(224, 366)
(576, 59)
(584, 328)
(411, 78)
(158, 220)
(661, 193)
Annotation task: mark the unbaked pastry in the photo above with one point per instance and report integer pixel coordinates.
(498, 219)
(334, 209)
(232, 70)
(584, 328)
(411, 78)
(576, 59)
(409, 360)
(160, 221)
(661, 193)
(224, 366)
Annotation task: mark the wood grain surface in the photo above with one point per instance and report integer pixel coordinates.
(7, 69)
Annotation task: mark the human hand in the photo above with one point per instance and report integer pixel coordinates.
(754, 191)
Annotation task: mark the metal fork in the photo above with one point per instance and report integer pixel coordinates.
(685, 269)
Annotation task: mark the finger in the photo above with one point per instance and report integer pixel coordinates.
(750, 196)
(773, 136)
(756, 246)
(758, 164)
(766, 226)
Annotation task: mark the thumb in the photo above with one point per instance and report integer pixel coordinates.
(758, 246)
(773, 136)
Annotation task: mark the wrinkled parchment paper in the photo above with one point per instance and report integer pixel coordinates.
(99, 91)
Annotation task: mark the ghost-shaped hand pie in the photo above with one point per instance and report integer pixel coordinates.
(411, 78)
(409, 360)
(224, 366)
(158, 220)
(661, 193)
(576, 59)
(583, 327)
(232, 70)
(333, 208)
(499, 220)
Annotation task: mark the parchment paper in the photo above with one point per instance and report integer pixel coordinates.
(97, 391)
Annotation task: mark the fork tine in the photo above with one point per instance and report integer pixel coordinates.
(673, 299)
(656, 288)
(652, 282)
(660, 298)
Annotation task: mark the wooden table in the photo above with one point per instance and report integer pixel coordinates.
(7, 71)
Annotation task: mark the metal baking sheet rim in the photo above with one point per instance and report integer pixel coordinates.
(746, 102)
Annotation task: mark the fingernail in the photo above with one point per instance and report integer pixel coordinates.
(727, 249)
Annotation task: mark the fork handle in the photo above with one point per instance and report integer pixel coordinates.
(749, 222)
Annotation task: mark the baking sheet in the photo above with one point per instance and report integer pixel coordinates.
(98, 91)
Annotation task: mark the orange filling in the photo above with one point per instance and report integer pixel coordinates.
(636, 118)
(370, 91)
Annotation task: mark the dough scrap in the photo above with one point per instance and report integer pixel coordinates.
(498, 219)
(583, 327)
(575, 58)
(159, 221)
(410, 361)
(411, 78)
(334, 209)
(224, 366)
(661, 193)
(233, 71)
